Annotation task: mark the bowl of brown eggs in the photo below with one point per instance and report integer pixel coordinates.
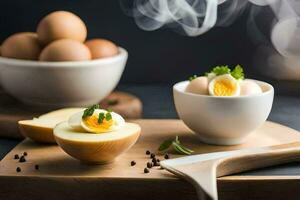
(56, 66)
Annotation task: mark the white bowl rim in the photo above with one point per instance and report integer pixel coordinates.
(269, 86)
(42, 64)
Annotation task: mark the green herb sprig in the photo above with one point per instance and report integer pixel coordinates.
(89, 111)
(176, 145)
(237, 72)
(107, 116)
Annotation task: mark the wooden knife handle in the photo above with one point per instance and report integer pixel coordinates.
(250, 161)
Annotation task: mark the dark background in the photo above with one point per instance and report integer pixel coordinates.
(161, 56)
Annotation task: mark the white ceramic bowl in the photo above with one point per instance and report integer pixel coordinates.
(223, 120)
(60, 84)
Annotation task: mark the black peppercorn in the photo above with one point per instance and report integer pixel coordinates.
(18, 169)
(36, 167)
(22, 159)
(152, 155)
(166, 156)
(146, 170)
(147, 152)
(149, 164)
(132, 163)
(157, 160)
(16, 156)
(154, 160)
(25, 153)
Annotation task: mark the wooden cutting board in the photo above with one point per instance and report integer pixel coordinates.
(11, 111)
(61, 176)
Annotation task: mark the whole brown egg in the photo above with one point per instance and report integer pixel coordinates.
(24, 45)
(61, 25)
(101, 48)
(65, 50)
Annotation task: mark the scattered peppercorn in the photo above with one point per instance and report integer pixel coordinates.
(152, 155)
(157, 160)
(166, 156)
(18, 169)
(154, 160)
(132, 163)
(25, 153)
(148, 152)
(22, 159)
(146, 170)
(149, 164)
(36, 167)
(16, 156)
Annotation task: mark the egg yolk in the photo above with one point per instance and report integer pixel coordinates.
(224, 88)
(93, 124)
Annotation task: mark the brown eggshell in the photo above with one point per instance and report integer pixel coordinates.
(101, 48)
(61, 25)
(23, 45)
(65, 50)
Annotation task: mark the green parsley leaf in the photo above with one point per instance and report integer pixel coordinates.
(101, 117)
(220, 70)
(108, 116)
(238, 72)
(192, 77)
(90, 111)
(176, 145)
(165, 145)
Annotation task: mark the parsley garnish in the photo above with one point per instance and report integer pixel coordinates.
(237, 72)
(192, 77)
(176, 145)
(90, 111)
(220, 70)
(103, 116)
(108, 116)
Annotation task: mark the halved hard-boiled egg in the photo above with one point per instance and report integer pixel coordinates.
(100, 121)
(111, 135)
(224, 85)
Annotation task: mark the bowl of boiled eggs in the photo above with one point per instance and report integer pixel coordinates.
(57, 67)
(222, 107)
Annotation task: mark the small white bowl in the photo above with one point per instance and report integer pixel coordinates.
(61, 84)
(223, 120)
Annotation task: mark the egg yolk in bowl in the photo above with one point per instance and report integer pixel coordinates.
(224, 88)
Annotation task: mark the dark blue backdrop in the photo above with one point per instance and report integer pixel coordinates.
(161, 56)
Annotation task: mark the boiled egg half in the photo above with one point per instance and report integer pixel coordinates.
(101, 121)
(224, 85)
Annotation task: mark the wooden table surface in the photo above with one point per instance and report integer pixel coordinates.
(286, 110)
(59, 174)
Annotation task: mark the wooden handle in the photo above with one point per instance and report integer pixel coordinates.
(250, 161)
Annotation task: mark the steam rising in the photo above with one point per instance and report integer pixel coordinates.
(196, 17)
(193, 17)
